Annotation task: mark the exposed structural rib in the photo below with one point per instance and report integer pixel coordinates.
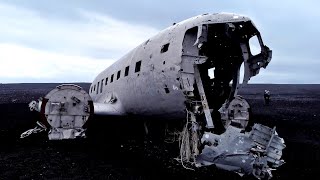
(204, 101)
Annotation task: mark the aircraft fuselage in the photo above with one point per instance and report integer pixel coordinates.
(157, 78)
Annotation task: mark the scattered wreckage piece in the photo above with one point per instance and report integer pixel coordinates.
(39, 128)
(255, 152)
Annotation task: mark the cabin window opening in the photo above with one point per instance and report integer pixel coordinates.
(101, 88)
(106, 81)
(94, 88)
(254, 45)
(111, 80)
(98, 88)
(91, 89)
(118, 75)
(138, 66)
(165, 48)
(126, 71)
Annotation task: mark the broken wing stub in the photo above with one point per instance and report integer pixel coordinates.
(255, 152)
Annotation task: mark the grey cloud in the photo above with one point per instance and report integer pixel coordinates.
(157, 13)
(288, 27)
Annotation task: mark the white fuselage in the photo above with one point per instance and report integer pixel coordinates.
(147, 81)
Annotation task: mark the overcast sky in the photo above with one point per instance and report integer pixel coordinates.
(72, 41)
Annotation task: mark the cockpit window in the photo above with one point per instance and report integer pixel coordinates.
(254, 45)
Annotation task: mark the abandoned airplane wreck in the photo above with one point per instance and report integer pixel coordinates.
(188, 72)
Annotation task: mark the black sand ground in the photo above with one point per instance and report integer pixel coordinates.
(294, 109)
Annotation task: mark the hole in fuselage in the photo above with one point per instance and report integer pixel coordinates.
(167, 90)
(165, 48)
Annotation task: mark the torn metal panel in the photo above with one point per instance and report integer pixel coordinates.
(202, 35)
(268, 140)
(252, 64)
(243, 153)
(204, 101)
